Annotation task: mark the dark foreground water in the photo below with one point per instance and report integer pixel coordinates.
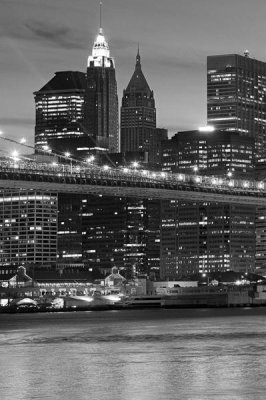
(134, 355)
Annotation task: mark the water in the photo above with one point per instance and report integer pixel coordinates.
(134, 355)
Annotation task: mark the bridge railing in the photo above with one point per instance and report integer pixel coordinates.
(92, 171)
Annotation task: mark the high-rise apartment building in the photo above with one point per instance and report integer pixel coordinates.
(138, 118)
(59, 108)
(236, 91)
(101, 101)
(28, 234)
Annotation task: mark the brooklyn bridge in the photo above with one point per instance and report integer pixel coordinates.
(128, 182)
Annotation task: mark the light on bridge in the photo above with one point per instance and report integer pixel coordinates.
(231, 183)
(198, 179)
(106, 167)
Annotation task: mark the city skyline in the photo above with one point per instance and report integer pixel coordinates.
(174, 40)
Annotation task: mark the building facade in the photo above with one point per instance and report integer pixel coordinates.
(28, 234)
(236, 97)
(59, 106)
(101, 101)
(138, 118)
(205, 237)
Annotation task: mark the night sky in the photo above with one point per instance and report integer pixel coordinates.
(40, 37)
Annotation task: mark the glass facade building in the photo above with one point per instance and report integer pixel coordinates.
(204, 237)
(236, 97)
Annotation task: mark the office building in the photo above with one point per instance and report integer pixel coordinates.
(236, 91)
(101, 101)
(28, 234)
(205, 237)
(59, 108)
(209, 153)
(138, 118)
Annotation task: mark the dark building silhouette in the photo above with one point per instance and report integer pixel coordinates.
(101, 102)
(236, 91)
(138, 118)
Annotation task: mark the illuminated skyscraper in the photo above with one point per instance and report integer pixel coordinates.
(237, 97)
(203, 236)
(60, 109)
(101, 101)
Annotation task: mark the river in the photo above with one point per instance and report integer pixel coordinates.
(134, 355)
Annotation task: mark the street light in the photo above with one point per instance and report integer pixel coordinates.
(67, 155)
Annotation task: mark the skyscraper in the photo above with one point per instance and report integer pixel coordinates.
(101, 102)
(60, 109)
(236, 91)
(202, 236)
(138, 118)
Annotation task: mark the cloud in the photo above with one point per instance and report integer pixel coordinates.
(13, 121)
(60, 36)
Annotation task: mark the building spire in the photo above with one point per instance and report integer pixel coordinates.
(138, 58)
(101, 29)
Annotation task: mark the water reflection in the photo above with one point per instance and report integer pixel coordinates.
(134, 355)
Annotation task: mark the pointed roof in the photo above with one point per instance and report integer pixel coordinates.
(65, 80)
(138, 81)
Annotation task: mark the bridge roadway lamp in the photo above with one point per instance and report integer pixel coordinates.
(14, 155)
(67, 155)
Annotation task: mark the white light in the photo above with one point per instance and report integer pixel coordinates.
(106, 167)
(163, 174)
(154, 175)
(229, 174)
(144, 172)
(54, 164)
(231, 183)
(261, 185)
(195, 169)
(180, 177)
(67, 154)
(135, 164)
(125, 170)
(23, 140)
(246, 184)
(15, 154)
(208, 128)
(214, 181)
(198, 179)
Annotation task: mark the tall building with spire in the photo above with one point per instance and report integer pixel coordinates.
(138, 118)
(101, 101)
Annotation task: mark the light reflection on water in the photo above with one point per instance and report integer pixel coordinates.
(134, 355)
